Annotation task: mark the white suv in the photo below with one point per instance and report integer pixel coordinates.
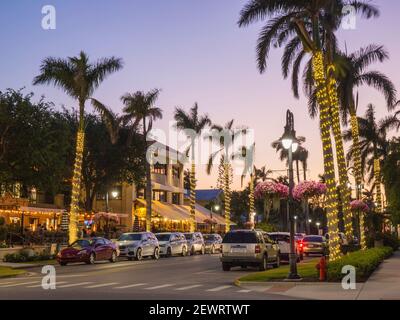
(283, 241)
(172, 243)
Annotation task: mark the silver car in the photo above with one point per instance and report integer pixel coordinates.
(172, 243)
(136, 245)
(195, 242)
(212, 242)
(249, 248)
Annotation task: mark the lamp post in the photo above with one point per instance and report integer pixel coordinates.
(216, 208)
(290, 143)
(318, 224)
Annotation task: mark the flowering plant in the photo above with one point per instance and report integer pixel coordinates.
(269, 189)
(359, 205)
(309, 189)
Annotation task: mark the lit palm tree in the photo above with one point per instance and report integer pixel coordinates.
(374, 147)
(79, 79)
(192, 121)
(225, 136)
(139, 109)
(303, 19)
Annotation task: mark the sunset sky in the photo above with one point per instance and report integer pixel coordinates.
(193, 51)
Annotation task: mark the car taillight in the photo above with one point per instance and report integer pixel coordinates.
(301, 244)
(258, 249)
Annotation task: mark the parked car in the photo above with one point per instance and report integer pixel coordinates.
(300, 245)
(249, 248)
(195, 242)
(283, 241)
(137, 245)
(88, 251)
(315, 245)
(342, 238)
(212, 242)
(172, 243)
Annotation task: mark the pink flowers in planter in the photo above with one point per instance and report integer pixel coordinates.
(270, 189)
(359, 205)
(309, 189)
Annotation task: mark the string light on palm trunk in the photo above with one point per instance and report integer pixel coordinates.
(192, 197)
(377, 177)
(329, 169)
(340, 156)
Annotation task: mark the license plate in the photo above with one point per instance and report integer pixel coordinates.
(238, 250)
(311, 246)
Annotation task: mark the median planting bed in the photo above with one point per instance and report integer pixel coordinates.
(365, 263)
(9, 272)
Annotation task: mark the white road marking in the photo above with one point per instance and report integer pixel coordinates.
(18, 284)
(219, 288)
(189, 287)
(39, 285)
(131, 286)
(74, 284)
(4, 283)
(101, 285)
(159, 287)
(244, 291)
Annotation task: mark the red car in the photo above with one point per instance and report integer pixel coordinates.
(88, 251)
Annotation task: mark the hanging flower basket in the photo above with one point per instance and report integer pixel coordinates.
(210, 221)
(359, 205)
(269, 189)
(309, 189)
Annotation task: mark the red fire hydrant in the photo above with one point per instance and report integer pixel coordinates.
(321, 266)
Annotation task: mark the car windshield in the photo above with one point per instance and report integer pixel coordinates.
(209, 237)
(240, 237)
(163, 237)
(313, 239)
(280, 237)
(188, 236)
(80, 244)
(130, 237)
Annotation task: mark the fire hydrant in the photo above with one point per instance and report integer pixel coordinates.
(321, 267)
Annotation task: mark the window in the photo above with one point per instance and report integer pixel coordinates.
(176, 198)
(160, 195)
(240, 237)
(160, 169)
(176, 172)
(130, 237)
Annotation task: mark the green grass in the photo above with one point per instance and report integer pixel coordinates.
(9, 272)
(41, 262)
(306, 270)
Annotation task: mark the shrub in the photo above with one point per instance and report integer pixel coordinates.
(26, 256)
(390, 240)
(365, 263)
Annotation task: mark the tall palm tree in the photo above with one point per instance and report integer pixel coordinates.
(79, 79)
(304, 19)
(225, 137)
(262, 174)
(192, 121)
(374, 147)
(140, 109)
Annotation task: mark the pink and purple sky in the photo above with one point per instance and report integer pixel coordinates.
(193, 51)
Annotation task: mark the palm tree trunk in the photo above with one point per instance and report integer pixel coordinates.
(148, 182)
(297, 171)
(329, 169)
(377, 178)
(193, 197)
(340, 157)
(357, 169)
(227, 196)
(251, 196)
(76, 184)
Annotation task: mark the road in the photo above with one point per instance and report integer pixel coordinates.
(175, 278)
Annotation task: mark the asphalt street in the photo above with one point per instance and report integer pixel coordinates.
(174, 278)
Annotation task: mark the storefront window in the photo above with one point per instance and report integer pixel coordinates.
(159, 169)
(176, 198)
(160, 196)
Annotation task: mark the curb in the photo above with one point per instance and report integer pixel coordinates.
(239, 283)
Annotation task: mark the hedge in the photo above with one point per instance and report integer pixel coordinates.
(365, 263)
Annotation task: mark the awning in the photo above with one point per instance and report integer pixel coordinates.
(110, 215)
(180, 212)
(41, 210)
(158, 186)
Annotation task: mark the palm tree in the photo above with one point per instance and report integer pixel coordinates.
(225, 136)
(262, 174)
(374, 147)
(79, 79)
(305, 20)
(139, 109)
(192, 121)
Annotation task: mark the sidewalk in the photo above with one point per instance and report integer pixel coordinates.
(384, 284)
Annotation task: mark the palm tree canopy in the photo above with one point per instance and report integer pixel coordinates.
(373, 141)
(139, 106)
(76, 75)
(191, 120)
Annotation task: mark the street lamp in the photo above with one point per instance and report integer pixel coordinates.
(216, 208)
(318, 224)
(290, 143)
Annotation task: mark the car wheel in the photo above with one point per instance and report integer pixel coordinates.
(203, 250)
(130, 258)
(92, 259)
(212, 249)
(263, 265)
(113, 257)
(156, 254)
(139, 254)
(277, 263)
(169, 253)
(192, 252)
(226, 266)
(63, 264)
(302, 257)
(184, 251)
